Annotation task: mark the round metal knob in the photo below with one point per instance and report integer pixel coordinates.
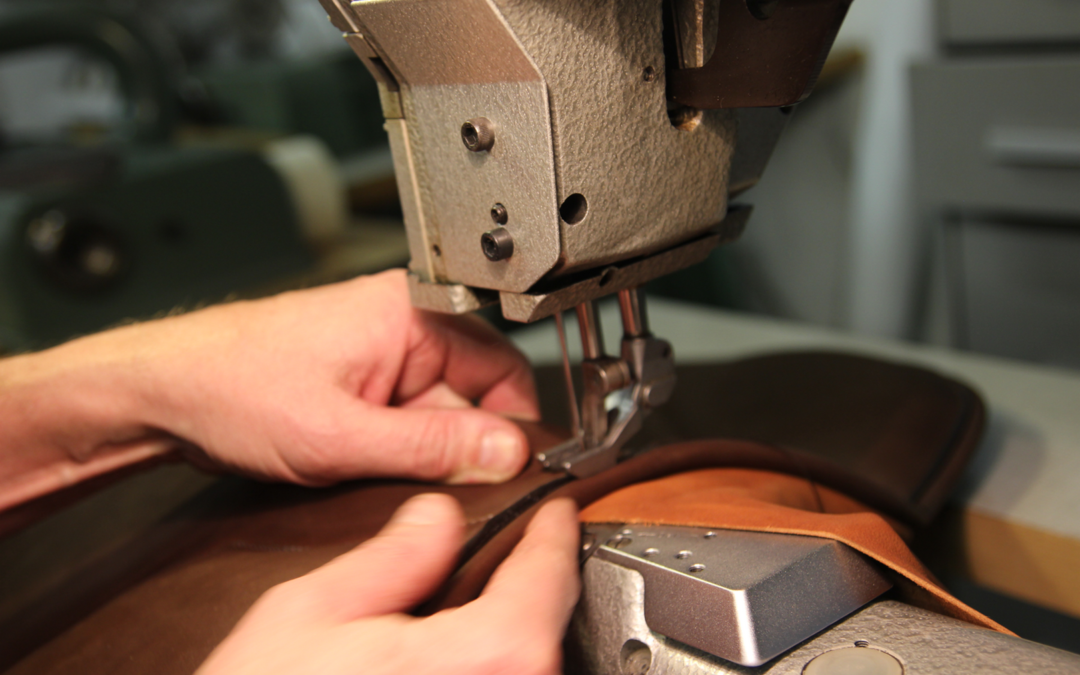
(478, 134)
(854, 661)
(497, 244)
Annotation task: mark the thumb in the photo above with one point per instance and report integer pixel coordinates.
(397, 568)
(465, 445)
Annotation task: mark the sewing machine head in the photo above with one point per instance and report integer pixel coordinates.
(551, 152)
(542, 143)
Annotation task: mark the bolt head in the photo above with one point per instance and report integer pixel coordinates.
(478, 134)
(497, 244)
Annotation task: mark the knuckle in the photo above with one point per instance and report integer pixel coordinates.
(433, 455)
(311, 446)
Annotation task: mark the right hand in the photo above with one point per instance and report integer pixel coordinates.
(346, 617)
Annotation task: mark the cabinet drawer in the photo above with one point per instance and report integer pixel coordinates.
(988, 22)
(998, 135)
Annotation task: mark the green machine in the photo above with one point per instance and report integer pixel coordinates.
(94, 235)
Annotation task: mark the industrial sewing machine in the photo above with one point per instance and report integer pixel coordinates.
(553, 152)
(550, 153)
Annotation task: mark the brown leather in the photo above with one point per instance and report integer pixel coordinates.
(196, 577)
(762, 501)
(162, 604)
(199, 571)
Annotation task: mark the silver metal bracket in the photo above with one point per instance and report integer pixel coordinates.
(617, 392)
(742, 596)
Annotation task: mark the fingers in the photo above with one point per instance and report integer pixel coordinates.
(541, 572)
(344, 616)
(473, 359)
(396, 569)
(517, 625)
(450, 445)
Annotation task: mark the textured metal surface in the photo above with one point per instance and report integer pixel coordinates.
(576, 93)
(761, 62)
(445, 42)
(648, 185)
(543, 302)
(743, 596)
(448, 298)
(611, 614)
(458, 187)
(458, 61)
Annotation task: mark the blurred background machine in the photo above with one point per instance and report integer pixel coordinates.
(129, 187)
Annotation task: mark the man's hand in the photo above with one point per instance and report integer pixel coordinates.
(316, 386)
(345, 617)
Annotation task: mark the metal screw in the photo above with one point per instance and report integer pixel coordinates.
(478, 134)
(499, 215)
(862, 643)
(497, 244)
(697, 567)
(649, 552)
(626, 530)
(683, 555)
(710, 535)
(649, 74)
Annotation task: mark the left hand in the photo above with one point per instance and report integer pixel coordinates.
(346, 617)
(316, 386)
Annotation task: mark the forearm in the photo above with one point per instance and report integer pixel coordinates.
(71, 413)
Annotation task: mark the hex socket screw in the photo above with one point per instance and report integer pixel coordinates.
(478, 134)
(497, 244)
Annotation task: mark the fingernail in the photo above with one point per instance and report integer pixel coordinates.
(421, 510)
(500, 452)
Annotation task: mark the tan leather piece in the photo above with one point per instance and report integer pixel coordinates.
(764, 501)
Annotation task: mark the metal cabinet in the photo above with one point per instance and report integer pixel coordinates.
(1016, 22)
(996, 128)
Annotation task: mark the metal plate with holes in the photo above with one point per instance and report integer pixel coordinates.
(586, 161)
(457, 60)
(743, 596)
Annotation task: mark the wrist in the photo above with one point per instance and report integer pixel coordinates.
(70, 413)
